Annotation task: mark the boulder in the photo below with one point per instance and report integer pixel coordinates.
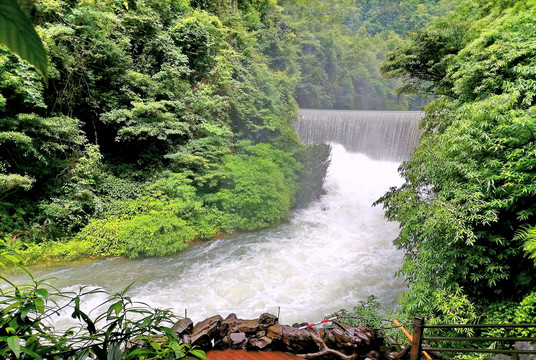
(499, 357)
(237, 338)
(206, 331)
(259, 343)
(266, 320)
(183, 326)
(247, 326)
(523, 345)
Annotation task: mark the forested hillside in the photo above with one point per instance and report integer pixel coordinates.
(168, 121)
(468, 207)
(341, 44)
(162, 122)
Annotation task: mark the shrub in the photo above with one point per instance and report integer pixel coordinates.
(259, 188)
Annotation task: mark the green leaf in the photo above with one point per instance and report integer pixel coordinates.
(198, 353)
(138, 353)
(14, 345)
(18, 34)
(39, 305)
(42, 292)
(156, 346)
(33, 354)
(116, 307)
(82, 355)
(114, 351)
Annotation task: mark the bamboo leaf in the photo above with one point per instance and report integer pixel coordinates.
(33, 354)
(14, 345)
(18, 34)
(114, 351)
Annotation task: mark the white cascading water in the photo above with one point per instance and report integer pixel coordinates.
(329, 256)
(382, 135)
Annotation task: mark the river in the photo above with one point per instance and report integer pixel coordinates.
(328, 256)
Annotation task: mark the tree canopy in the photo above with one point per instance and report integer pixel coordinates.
(143, 93)
(467, 208)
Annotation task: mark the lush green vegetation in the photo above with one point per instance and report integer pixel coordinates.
(467, 208)
(159, 124)
(123, 330)
(341, 44)
(147, 95)
(165, 121)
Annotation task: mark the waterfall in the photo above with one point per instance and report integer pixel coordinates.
(381, 135)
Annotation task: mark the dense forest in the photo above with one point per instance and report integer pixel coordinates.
(341, 44)
(162, 122)
(467, 208)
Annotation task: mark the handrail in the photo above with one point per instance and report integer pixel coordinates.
(418, 337)
(468, 326)
(410, 338)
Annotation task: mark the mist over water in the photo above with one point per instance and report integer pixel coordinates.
(329, 256)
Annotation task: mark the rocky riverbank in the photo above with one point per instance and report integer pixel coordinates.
(337, 340)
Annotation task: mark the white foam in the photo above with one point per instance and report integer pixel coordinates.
(330, 256)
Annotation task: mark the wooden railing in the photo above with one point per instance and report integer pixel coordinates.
(419, 338)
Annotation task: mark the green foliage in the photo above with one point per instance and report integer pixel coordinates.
(527, 234)
(202, 38)
(13, 181)
(315, 159)
(18, 34)
(36, 151)
(162, 220)
(365, 314)
(259, 188)
(21, 89)
(422, 61)
(156, 86)
(126, 330)
(507, 312)
(340, 45)
(467, 207)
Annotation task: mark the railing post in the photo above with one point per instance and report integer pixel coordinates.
(416, 342)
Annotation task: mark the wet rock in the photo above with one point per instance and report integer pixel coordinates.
(206, 331)
(523, 345)
(266, 320)
(266, 334)
(183, 326)
(231, 321)
(260, 343)
(275, 331)
(237, 338)
(499, 357)
(247, 326)
(298, 341)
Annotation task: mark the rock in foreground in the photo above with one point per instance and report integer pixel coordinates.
(337, 340)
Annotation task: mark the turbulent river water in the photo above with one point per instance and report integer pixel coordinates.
(329, 256)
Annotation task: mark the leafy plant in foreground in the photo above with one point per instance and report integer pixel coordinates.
(131, 331)
(124, 330)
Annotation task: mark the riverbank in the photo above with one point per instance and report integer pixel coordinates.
(330, 255)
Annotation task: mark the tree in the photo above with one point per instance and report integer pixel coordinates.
(469, 186)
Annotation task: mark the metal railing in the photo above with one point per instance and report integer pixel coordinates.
(418, 339)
